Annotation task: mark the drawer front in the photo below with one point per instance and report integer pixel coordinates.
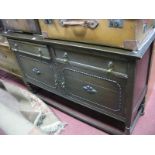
(99, 91)
(30, 48)
(36, 70)
(86, 58)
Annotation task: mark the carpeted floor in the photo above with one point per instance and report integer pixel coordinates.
(144, 126)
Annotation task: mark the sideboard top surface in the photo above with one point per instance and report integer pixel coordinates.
(40, 40)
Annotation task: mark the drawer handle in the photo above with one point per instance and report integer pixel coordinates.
(89, 89)
(36, 71)
(14, 49)
(73, 22)
(65, 57)
(110, 66)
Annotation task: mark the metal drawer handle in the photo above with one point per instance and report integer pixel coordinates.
(65, 57)
(89, 89)
(110, 66)
(14, 49)
(63, 84)
(85, 23)
(36, 71)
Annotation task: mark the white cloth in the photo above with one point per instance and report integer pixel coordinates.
(23, 111)
(11, 121)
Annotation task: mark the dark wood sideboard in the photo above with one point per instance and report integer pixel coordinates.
(107, 81)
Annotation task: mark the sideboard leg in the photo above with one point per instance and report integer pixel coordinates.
(30, 88)
(127, 131)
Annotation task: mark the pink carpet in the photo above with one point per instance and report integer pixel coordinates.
(144, 126)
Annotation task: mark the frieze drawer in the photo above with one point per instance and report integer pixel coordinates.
(37, 71)
(30, 48)
(86, 58)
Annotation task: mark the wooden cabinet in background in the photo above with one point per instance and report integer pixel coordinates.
(8, 60)
(21, 25)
